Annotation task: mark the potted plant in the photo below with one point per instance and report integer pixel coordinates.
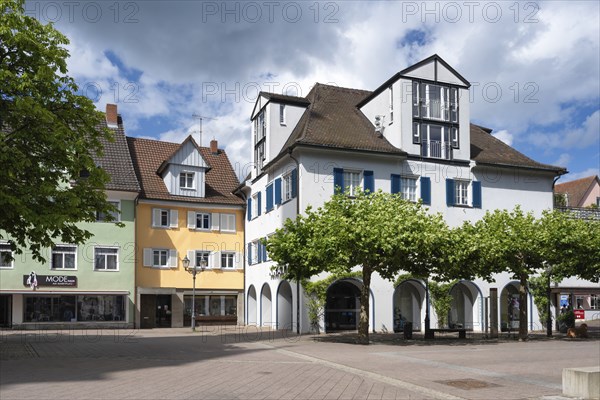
(566, 320)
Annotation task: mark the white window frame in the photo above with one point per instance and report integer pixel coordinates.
(254, 205)
(391, 92)
(186, 176)
(202, 254)
(282, 115)
(408, 192)
(63, 252)
(106, 255)
(117, 215)
(160, 252)
(351, 184)
(203, 215)
(172, 218)
(226, 221)
(461, 192)
(254, 252)
(5, 248)
(286, 187)
(228, 260)
(594, 302)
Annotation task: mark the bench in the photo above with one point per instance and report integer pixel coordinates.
(462, 332)
(216, 320)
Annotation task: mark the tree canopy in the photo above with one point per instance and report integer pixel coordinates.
(48, 136)
(378, 232)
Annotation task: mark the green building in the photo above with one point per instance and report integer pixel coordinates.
(81, 285)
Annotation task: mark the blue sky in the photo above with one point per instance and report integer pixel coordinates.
(534, 66)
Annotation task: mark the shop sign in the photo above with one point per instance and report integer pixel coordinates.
(579, 314)
(33, 280)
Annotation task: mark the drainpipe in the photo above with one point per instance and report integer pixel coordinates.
(245, 256)
(297, 212)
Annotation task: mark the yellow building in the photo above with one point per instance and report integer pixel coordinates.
(187, 211)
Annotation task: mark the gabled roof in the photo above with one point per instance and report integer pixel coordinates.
(486, 149)
(577, 189)
(280, 99)
(116, 160)
(333, 120)
(148, 156)
(189, 139)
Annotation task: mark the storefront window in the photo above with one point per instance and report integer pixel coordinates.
(210, 305)
(74, 308)
(215, 305)
(230, 305)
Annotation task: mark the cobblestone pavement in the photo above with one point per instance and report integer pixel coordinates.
(245, 363)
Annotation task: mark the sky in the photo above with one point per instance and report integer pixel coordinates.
(534, 67)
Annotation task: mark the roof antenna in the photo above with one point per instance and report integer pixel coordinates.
(200, 118)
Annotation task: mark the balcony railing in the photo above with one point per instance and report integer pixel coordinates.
(581, 213)
(436, 149)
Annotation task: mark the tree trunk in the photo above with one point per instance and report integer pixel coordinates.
(363, 322)
(523, 307)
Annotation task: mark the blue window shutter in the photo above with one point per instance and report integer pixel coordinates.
(338, 180)
(249, 209)
(249, 253)
(278, 191)
(369, 181)
(476, 194)
(294, 182)
(264, 252)
(395, 184)
(258, 198)
(450, 192)
(426, 190)
(269, 193)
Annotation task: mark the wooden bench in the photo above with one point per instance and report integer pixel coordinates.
(462, 332)
(216, 320)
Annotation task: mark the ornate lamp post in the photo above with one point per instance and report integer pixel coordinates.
(193, 270)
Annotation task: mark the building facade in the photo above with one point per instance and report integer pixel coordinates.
(186, 209)
(412, 135)
(81, 285)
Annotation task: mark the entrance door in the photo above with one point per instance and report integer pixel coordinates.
(163, 311)
(5, 310)
(147, 311)
(342, 307)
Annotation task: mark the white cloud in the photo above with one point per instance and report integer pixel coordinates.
(563, 160)
(505, 136)
(574, 137)
(571, 176)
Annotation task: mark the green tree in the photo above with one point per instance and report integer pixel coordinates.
(48, 136)
(377, 232)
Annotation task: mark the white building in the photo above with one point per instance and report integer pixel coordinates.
(410, 135)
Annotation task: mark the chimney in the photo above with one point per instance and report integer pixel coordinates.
(111, 116)
(214, 148)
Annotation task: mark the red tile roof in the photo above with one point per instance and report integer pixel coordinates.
(148, 156)
(577, 189)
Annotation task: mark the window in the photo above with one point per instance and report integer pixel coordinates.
(594, 302)
(598, 201)
(163, 218)
(260, 131)
(435, 141)
(408, 187)
(255, 205)
(579, 302)
(282, 114)
(5, 256)
(202, 221)
(186, 180)
(260, 155)
(102, 217)
(228, 260)
(227, 222)
(254, 250)
(106, 259)
(287, 187)
(64, 257)
(202, 258)
(352, 181)
(461, 191)
(160, 258)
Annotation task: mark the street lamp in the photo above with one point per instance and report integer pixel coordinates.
(193, 270)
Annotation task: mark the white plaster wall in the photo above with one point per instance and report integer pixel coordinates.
(279, 134)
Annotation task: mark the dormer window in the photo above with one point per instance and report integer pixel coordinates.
(282, 114)
(186, 180)
(435, 119)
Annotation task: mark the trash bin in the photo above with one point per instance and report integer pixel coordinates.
(408, 330)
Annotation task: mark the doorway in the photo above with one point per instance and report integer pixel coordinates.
(5, 310)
